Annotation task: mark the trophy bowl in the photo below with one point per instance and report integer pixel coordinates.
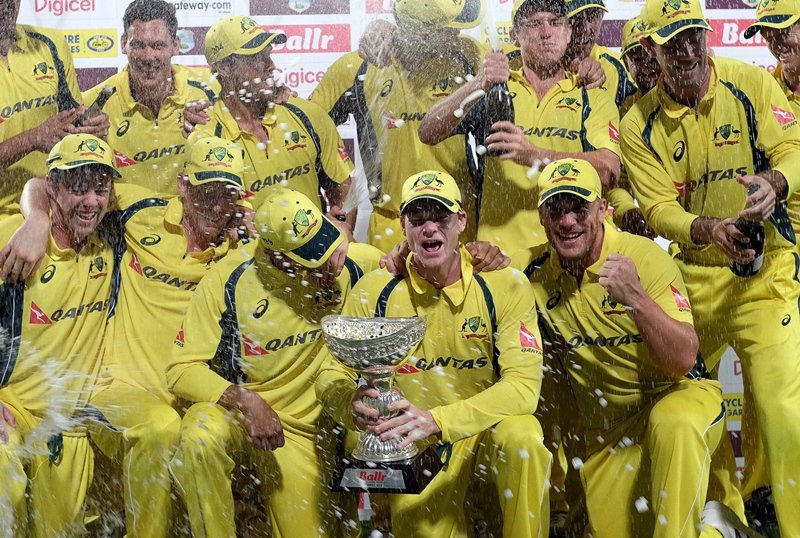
(375, 348)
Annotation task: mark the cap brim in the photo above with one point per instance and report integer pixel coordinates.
(626, 50)
(260, 42)
(573, 8)
(470, 17)
(77, 164)
(580, 192)
(453, 207)
(319, 248)
(201, 178)
(770, 21)
(666, 33)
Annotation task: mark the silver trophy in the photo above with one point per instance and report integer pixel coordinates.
(375, 348)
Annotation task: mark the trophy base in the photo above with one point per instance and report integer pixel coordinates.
(406, 476)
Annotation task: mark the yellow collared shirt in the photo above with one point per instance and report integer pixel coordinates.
(148, 145)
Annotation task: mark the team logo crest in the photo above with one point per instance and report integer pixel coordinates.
(569, 103)
(91, 146)
(304, 223)
(427, 181)
(97, 268)
(564, 172)
(222, 156)
(294, 140)
(474, 328)
(248, 24)
(440, 88)
(764, 7)
(43, 71)
(726, 135)
(299, 5)
(673, 8)
(185, 40)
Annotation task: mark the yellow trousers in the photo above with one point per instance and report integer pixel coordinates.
(651, 475)
(148, 429)
(57, 489)
(213, 441)
(512, 457)
(758, 317)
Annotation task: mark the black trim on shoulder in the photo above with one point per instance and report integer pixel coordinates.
(227, 361)
(647, 132)
(585, 112)
(535, 264)
(796, 276)
(487, 296)
(64, 97)
(131, 210)
(355, 271)
(205, 88)
(370, 149)
(626, 86)
(12, 299)
(383, 298)
(325, 182)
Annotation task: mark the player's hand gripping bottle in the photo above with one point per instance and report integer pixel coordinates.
(754, 230)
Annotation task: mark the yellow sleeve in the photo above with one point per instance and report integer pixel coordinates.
(602, 123)
(780, 140)
(654, 188)
(621, 197)
(519, 357)
(334, 158)
(188, 374)
(662, 280)
(338, 79)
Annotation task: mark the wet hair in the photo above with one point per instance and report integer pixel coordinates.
(529, 7)
(151, 10)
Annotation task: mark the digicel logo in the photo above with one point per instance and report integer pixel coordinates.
(317, 38)
(730, 32)
(60, 7)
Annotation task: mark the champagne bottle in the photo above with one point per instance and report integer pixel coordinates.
(499, 107)
(754, 230)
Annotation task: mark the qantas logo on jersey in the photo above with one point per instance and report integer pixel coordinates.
(553, 131)
(159, 153)
(286, 175)
(680, 301)
(151, 273)
(443, 362)
(180, 338)
(308, 337)
(251, 348)
(601, 341)
(712, 175)
(527, 340)
(28, 104)
(784, 117)
(37, 316)
(121, 160)
(613, 132)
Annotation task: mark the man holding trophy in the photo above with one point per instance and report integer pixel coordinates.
(472, 384)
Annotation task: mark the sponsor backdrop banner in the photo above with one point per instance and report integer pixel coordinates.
(320, 31)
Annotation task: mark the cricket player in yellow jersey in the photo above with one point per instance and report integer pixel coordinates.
(644, 70)
(169, 245)
(472, 384)
(294, 144)
(711, 130)
(55, 323)
(428, 59)
(248, 353)
(146, 109)
(554, 117)
(619, 325)
(39, 102)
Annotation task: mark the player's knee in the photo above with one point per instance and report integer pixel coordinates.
(161, 428)
(519, 433)
(204, 428)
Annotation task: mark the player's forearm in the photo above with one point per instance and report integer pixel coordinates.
(441, 121)
(702, 230)
(671, 344)
(196, 382)
(17, 147)
(778, 183)
(34, 201)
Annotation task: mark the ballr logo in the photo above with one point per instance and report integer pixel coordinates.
(60, 7)
(318, 38)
